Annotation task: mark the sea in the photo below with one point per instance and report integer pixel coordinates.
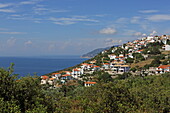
(24, 66)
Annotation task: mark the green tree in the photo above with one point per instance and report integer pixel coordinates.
(104, 77)
(155, 63)
(7, 83)
(129, 60)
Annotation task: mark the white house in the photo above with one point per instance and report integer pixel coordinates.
(93, 61)
(163, 69)
(66, 77)
(77, 72)
(130, 55)
(88, 84)
(95, 68)
(51, 81)
(106, 66)
(167, 47)
(149, 38)
(56, 75)
(121, 68)
(44, 79)
(86, 66)
(112, 56)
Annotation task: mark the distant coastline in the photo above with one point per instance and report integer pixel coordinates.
(85, 57)
(40, 65)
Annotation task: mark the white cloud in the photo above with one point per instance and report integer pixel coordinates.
(153, 33)
(135, 20)
(11, 42)
(68, 21)
(12, 33)
(148, 11)
(7, 10)
(111, 42)
(27, 2)
(30, 2)
(29, 42)
(37, 21)
(160, 17)
(122, 20)
(108, 31)
(144, 34)
(15, 15)
(64, 23)
(73, 19)
(42, 10)
(132, 33)
(5, 5)
(137, 34)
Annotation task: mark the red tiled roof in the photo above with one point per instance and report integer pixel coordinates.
(84, 64)
(51, 78)
(90, 82)
(55, 73)
(44, 77)
(96, 66)
(140, 50)
(67, 71)
(76, 70)
(106, 63)
(66, 75)
(90, 64)
(164, 66)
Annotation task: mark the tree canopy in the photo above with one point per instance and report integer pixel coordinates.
(125, 94)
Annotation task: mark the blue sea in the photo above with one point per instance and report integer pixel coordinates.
(40, 65)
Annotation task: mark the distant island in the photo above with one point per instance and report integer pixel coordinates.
(95, 52)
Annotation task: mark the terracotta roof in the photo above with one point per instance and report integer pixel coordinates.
(67, 71)
(90, 82)
(106, 63)
(90, 64)
(164, 66)
(96, 66)
(84, 64)
(76, 70)
(66, 75)
(55, 73)
(44, 77)
(140, 50)
(51, 78)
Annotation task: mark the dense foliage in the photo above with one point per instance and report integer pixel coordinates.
(123, 94)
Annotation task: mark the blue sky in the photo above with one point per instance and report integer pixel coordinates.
(67, 27)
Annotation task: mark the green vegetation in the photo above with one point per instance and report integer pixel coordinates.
(138, 57)
(123, 94)
(153, 48)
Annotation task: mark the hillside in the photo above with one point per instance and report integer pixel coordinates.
(111, 82)
(122, 95)
(94, 52)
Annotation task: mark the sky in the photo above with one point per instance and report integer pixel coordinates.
(75, 27)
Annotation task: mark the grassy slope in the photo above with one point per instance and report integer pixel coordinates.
(141, 63)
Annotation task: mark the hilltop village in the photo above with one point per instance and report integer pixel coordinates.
(147, 56)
